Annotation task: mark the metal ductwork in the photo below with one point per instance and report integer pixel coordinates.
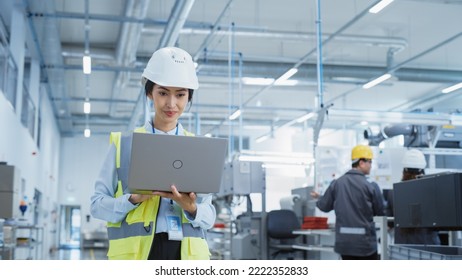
(446, 136)
(128, 41)
(410, 133)
(219, 68)
(48, 39)
(388, 42)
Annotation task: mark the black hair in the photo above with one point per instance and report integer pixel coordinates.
(149, 86)
(356, 163)
(411, 173)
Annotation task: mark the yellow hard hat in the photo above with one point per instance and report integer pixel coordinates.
(361, 151)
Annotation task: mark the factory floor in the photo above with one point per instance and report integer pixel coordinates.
(79, 254)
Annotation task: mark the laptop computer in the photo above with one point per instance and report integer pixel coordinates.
(192, 164)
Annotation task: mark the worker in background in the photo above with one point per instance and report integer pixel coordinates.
(414, 164)
(355, 201)
(138, 225)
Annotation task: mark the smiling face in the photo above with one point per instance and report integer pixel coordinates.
(169, 104)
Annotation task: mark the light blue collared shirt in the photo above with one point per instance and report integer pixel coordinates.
(106, 207)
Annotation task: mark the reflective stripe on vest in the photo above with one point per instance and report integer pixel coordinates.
(139, 229)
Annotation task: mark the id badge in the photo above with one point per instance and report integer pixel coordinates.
(174, 226)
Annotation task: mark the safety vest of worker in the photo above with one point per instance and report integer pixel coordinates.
(132, 238)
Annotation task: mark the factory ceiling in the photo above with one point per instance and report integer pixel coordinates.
(237, 43)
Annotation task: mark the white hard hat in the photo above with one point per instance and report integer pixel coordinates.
(414, 159)
(171, 67)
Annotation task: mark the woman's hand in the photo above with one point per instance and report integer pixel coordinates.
(138, 198)
(187, 201)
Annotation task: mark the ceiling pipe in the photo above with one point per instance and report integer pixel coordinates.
(95, 55)
(332, 73)
(127, 46)
(48, 48)
(388, 132)
(211, 33)
(312, 51)
(377, 41)
(255, 69)
(175, 22)
(399, 66)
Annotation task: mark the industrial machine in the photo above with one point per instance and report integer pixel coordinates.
(10, 180)
(432, 201)
(246, 231)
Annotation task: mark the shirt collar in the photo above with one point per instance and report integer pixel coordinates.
(148, 128)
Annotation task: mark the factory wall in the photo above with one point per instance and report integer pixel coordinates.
(81, 160)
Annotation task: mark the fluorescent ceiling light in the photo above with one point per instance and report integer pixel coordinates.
(257, 81)
(268, 81)
(377, 81)
(262, 138)
(452, 88)
(86, 107)
(305, 117)
(401, 140)
(287, 75)
(87, 132)
(208, 135)
(87, 64)
(235, 115)
(286, 82)
(379, 6)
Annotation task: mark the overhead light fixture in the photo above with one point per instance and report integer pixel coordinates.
(377, 81)
(268, 81)
(87, 107)
(305, 117)
(262, 138)
(235, 115)
(86, 64)
(87, 132)
(379, 6)
(286, 83)
(257, 81)
(287, 75)
(452, 88)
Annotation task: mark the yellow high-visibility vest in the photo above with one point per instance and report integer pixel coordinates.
(131, 239)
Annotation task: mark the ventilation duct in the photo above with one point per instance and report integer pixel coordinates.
(418, 136)
(410, 133)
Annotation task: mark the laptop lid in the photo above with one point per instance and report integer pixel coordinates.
(192, 164)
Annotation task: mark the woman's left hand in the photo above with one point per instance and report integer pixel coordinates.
(187, 201)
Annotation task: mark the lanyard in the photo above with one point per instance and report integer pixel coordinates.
(176, 133)
(154, 130)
